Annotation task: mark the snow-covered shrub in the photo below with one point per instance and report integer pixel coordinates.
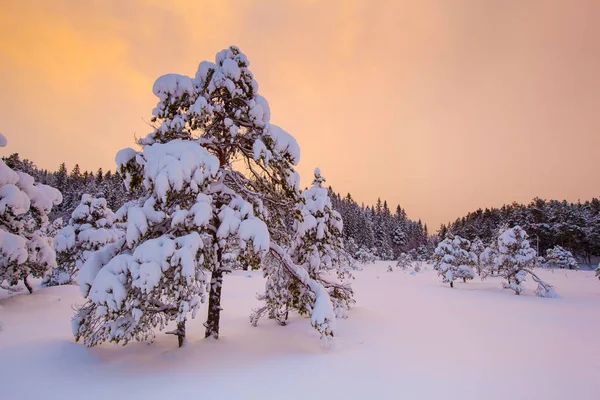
(453, 260)
(90, 228)
(511, 256)
(390, 269)
(25, 248)
(220, 184)
(404, 261)
(317, 248)
(557, 257)
(365, 256)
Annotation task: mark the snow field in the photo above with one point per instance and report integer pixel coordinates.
(409, 336)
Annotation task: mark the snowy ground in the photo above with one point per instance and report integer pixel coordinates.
(409, 337)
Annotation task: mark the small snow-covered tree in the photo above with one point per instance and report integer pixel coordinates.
(513, 258)
(25, 248)
(557, 257)
(365, 256)
(453, 259)
(404, 261)
(477, 248)
(317, 249)
(90, 228)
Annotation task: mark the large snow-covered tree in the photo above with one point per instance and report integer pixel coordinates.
(453, 259)
(25, 248)
(220, 183)
(318, 249)
(90, 228)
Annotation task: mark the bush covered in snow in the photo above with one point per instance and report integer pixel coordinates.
(365, 256)
(404, 261)
(25, 248)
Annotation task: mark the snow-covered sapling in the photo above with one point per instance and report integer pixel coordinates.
(477, 248)
(404, 261)
(317, 249)
(90, 228)
(557, 257)
(453, 260)
(365, 256)
(513, 258)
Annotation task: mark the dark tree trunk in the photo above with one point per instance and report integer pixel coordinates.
(27, 285)
(451, 284)
(465, 280)
(214, 304)
(181, 333)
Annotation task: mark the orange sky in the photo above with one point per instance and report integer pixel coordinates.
(442, 106)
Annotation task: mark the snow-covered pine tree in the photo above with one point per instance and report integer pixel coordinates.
(557, 257)
(404, 261)
(365, 256)
(25, 249)
(513, 258)
(90, 228)
(477, 248)
(220, 180)
(318, 249)
(454, 260)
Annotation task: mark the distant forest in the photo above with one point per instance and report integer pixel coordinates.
(573, 226)
(376, 228)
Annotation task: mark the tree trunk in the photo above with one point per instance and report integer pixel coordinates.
(451, 284)
(214, 304)
(181, 333)
(27, 285)
(465, 280)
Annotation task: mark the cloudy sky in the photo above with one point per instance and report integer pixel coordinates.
(442, 106)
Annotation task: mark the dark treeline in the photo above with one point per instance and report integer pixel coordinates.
(387, 234)
(573, 226)
(373, 228)
(73, 184)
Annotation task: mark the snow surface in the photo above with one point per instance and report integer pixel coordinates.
(3, 140)
(409, 336)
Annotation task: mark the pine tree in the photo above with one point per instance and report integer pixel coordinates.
(404, 261)
(557, 257)
(25, 248)
(318, 249)
(477, 248)
(90, 228)
(454, 260)
(219, 183)
(513, 258)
